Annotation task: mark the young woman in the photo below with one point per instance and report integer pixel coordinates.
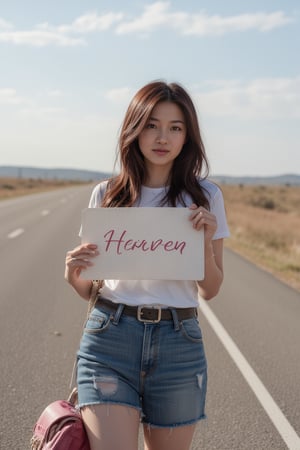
(131, 370)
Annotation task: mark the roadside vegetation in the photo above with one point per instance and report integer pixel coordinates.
(264, 221)
(12, 187)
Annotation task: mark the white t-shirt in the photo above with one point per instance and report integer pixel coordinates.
(181, 293)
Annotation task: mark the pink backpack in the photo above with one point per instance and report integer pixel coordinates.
(60, 427)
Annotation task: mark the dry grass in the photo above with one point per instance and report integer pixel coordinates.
(12, 187)
(264, 223)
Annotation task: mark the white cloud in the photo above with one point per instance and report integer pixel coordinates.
(158, 15)
(261, 98)
(265, 98)
(29, 107)
(155, 15)
(10, 96)
(45, 34)
(39, 38)
(92, 22)
(202, 24)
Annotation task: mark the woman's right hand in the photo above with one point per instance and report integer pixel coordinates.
(78, 259)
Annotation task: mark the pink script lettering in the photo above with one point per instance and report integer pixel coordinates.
(121, 244)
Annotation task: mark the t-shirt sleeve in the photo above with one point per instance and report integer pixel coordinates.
(96, 198)
(218, 209)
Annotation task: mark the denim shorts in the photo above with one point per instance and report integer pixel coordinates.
(157, 368)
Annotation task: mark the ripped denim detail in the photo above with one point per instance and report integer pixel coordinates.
(107, 386)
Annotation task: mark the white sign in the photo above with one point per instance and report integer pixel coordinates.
(143, 244)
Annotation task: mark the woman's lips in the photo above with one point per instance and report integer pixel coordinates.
(160, 151)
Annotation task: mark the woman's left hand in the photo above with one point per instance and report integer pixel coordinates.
(201, 217)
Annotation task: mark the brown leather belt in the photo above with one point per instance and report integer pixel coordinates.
(149, 314)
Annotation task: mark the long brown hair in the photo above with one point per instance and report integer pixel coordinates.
(191, 164)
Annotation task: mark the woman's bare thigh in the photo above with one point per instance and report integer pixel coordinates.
(178, 438)
(111, 427)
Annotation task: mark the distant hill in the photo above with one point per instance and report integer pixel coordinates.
(52, 173)
(287, 179)
(87, 175)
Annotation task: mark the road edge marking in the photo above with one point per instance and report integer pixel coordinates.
(283, 426)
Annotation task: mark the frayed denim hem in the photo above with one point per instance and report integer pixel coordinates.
(107, 404)
(175, 425)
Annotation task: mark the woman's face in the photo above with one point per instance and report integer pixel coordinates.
(164, 135)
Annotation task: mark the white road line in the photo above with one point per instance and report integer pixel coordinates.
(279, 420)
(15, 233)
(45, 212)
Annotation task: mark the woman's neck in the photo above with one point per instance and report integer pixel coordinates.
(157, 178)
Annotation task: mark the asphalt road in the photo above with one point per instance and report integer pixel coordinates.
(41, 320)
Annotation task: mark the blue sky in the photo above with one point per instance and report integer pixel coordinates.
(69, 69)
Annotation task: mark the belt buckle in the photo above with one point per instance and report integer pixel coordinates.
(154, 307)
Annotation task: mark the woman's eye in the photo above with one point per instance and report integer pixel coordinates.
(176, 128)
(150, 125)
